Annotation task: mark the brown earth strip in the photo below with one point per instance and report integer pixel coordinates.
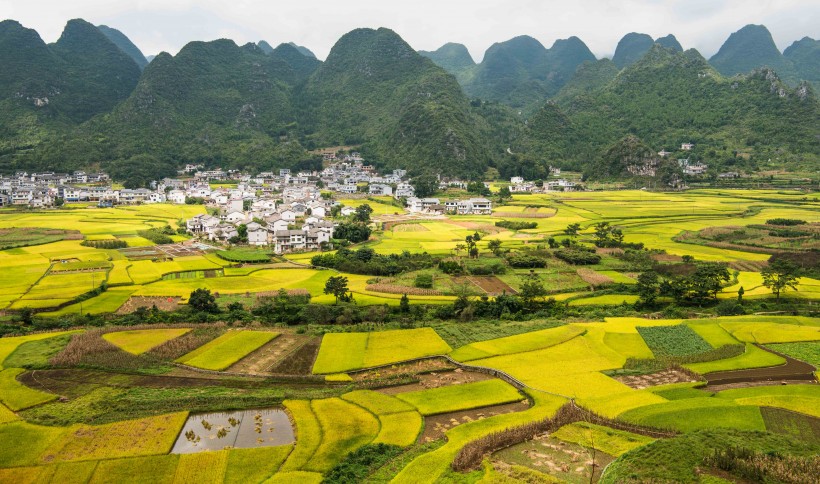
(436, 425)
(492, 285)
(793, 370)
(300, 361)
(403, 370)
(438, 379)
(665, 377)
(162, 303)
(269, 355)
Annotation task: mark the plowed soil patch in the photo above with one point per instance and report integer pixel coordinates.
(162, 303)
(492, 285)
(793, 370)
(436, 425)
(269, 355)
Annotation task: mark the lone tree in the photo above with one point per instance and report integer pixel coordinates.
(202, 300)
(362, 213)
(572, 229)
(337, 285)
(504, 194)
(779, 275)
(495, 246)
(648, 286)
(532, 289)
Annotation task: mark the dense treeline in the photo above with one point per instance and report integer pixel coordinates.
(367, 261)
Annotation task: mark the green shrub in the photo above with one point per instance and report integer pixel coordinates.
(512, 225)
(524, 261)
(424, 280)
(785, 221)
(578, 256)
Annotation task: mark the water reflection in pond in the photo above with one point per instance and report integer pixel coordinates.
(241, 429)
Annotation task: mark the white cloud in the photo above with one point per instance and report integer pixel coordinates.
(156, 25)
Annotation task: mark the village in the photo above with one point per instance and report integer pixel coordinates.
(288, 212)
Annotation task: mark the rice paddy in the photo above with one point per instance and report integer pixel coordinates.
(341, 352)
(340, 412)
(461, 397)
(141, 340)
(227, 349)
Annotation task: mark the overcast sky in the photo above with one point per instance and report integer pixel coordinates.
(167, 25)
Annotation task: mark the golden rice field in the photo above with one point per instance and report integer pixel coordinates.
(644, 216)
(555, 365)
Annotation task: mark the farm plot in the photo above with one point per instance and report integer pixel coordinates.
(227, 349)
(691, 414)
(798, 398)
(753, 357)
(771, 332)
(342, 352)
(327, 430)
(678, 340)
(808, 351)
(517, 343)
(17, 396)
(429, 467)
(608, 440)
(466, 396)
(141, 340)
(58, 288)
(146, 436)
(492, 285)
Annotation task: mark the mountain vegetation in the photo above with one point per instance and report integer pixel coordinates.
(124, 43)
(631, 48)
(83, 102)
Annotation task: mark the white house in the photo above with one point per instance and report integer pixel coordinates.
(288, 215)
(236, 217)
(257, 235)
(176, 196)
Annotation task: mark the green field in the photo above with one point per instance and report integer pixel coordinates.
(341, 352)
(141, 340)
(116, 416)
(227, 349)
(461, 397)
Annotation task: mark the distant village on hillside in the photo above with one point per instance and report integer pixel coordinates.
(285, 211)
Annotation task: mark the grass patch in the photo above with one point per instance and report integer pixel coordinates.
(139, 341)
(155, 469)
(345, 428)
(608, 440)
(693, 414)
(753, 357)
(17, 396)
(227, 349)
(254, 465)
(35, 354)
(130, 438)
(466, 396)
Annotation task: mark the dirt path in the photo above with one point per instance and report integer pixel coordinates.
(793, 370)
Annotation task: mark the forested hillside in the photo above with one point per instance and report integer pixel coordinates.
(83, 102)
